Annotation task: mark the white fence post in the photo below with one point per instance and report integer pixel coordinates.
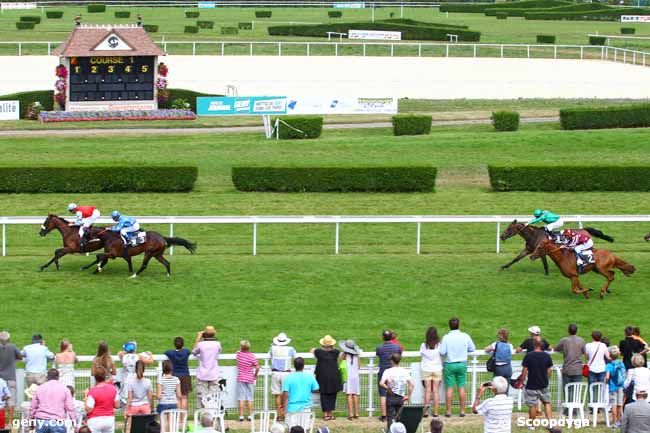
(251, 49)
(194, 48)
(371, 382)
(308, 49)
(171, 235)
(267, 373)
(279, 48)
(474, 377)
(555, 51)
(223, 48)
(336, 48)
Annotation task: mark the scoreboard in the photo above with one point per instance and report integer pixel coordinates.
(112, 78)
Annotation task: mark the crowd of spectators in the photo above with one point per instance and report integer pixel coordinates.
(622, 367)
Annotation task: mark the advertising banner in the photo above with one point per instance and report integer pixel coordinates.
(344, 105)
(17, 5)
(9, 110)
(635, 18)
(207, 5)
(375, 34)
(241, 105)
(359, 5)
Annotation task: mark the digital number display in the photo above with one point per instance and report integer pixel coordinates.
(112, 78)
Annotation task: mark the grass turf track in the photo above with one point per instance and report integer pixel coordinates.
(295, 284)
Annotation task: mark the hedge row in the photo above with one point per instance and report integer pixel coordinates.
(545, 39)
(569, 178)
(150, 28)
(122, 14)
(328, 179)
(263, 14)
(628, 30)
(25, 25)
(335, 14)
(88, 179)
(520, 12)
(409, 32)
(31, 19)
(624, 116)
(192, 14)
(96, 8)
(245, 26)
(505, 120)
(609, 14)
(411, 22)
(597, 40)
(482, 7)
(300, 127)
(410, 124)
(229, 31)
(191, 29)
(54, 14)
(205, 24)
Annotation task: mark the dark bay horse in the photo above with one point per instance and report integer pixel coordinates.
(71, 240)
(533, 236)
(565, 259)
(154, 246)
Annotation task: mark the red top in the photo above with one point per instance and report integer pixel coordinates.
(577, 238)
(86, 211)
(104, 396)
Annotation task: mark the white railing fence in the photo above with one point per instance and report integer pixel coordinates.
(220, 4)
(337, 221)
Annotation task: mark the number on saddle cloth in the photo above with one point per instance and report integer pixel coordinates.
(137, 238)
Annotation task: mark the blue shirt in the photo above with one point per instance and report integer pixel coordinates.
(384, 352)
(455, 346)
(179, 359)
(124, 221)
(610, 370)
(299, 386)
(36, 356)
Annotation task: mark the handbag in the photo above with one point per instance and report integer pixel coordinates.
(585, 367)
(491, 364)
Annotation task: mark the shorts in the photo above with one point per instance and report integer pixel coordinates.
(143, 409)
(35, 378)
(431, 375)
(186, 384)
(277, 379)
(533, 396)
(616, 397)
(163, 407)
(12, 390)
(245, 391)
(382, 391)
(455, 374)
(2, 418)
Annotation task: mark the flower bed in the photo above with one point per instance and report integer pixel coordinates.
(84, 116)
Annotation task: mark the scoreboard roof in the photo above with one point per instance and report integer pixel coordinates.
(108, 40)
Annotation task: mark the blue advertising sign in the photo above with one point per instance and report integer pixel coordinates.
(240, 105)
(207, 5)
(358, 5)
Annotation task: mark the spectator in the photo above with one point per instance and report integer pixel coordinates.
(615, 377)
(79, 411)
(52, 408)
(36, 356)
(496, 411)
(636, 417)
(207, 423)
(247, 371)
(436, 426)
(597, 355)
(297, 388)
(281, 355)
(503, 355)
(129, 359)
(277, 427)
(352, 385)
(384, 353)
(394, 340)
(9, 354)
(397, 427)
(327, 375)
(101, 402)
(104, 362)
(139, 395)
(631, 345)
(537, 368)
(638, 375)
(5, 395)
(169, 389)
(179, 357)
(399, 385)
(64, 362)
(207, 349)
(528, 344)
(431, 366)
(454, 347)
(572, 348)
(297, 429)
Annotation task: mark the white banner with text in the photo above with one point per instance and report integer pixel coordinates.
(375, 34)
(17, 5)
(635, 18)
(343, 105)
(9, 110)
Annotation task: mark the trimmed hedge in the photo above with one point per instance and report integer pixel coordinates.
(520, 12)
(545, 39)
(410, 22)
(54, 14)
(150, 28)
(229, 31)
(307, 126)
(96, 8)
(245, 26)
(191, 29)
(263, 14)
(597, 40)
(411, 124)
(505, 120)
(192, 14)
(45, 97)
(628, 30)
(122, 14)
(25, 25)
(328, 179)
(569, 178)
(188, 95)
(31, 18)
(335, 14)
(502, 15)
(205, 24)
(409, 32)
(89, 179)
(482, 7)
(623, 116)
(604, 14)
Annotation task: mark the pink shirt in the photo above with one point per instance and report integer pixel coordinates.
(52, 400)
(207, 353)
(102, 398)
(246, 364)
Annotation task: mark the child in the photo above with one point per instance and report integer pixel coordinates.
(247, 370)
(5, 394)
(180, 369)
(169, 389)
(139, 395)
(615, 377)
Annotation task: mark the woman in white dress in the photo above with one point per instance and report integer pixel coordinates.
(431, 366)
(352, 386)
(64, 361)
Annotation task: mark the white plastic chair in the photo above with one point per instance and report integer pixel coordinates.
(599, 399)
(218, 421)
(262, 421)
(214, 401)
(173, 421)
(303, 419)
(575, 399)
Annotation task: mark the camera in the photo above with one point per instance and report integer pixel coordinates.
(486, 384)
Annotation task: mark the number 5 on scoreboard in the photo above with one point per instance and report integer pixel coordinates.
(144, 68)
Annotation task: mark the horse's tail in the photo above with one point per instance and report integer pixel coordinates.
(191, 247)
(624, 267)
(600, 235)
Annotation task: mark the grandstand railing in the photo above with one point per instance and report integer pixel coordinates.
(335, 220)
(369, 399)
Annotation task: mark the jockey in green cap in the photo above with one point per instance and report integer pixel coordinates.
(552, 222)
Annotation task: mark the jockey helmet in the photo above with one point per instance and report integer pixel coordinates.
(115, 215)
(567, 232)
(72, 206)
(537, 212)
(130, 347)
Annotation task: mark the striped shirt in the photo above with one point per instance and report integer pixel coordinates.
(497, 413)
(246, 364)
(168, 389)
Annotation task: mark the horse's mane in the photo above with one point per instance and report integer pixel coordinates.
(59, 218)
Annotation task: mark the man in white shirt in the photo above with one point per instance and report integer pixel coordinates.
(399, 384)
(497, 411)
(36, 356)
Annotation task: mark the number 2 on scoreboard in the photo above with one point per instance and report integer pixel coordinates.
(93, 69)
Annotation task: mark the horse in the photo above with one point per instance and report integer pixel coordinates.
(533, 236)
(71, 240)
(647, 237)
(565, 259)
(154, 246)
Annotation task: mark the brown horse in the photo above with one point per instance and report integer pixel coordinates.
(533, 236)
(154, 246)
(71, 240)
(565, 259)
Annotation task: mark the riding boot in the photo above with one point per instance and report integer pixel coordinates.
(82, 245)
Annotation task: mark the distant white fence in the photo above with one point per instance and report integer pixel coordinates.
(255, 221)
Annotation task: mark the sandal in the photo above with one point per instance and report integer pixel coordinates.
(327, 418)
(350, 418)
(356, 417)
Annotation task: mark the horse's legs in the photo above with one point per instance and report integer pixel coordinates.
(577, 288)
(128, 261)
(104, 261)
(97, 260)
(545, 263)
(165, 263)
(520, 256)
(145, 262)
(610, 277)
(57, 255)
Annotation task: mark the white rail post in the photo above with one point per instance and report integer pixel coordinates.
(560, 387)
(336, 49)
(447, 50)
(528, 50)
(336, 242)
(171, 235)
(401, 10)
(417, 248)
(420, 50)
(373, 12)
(364, 50)
(371, 381)
(194, 48)
(474, 377)
(266, 383)
(49, 48)
(254, 239)
(251, 49)
(308, 48)
(581, 51)
(502, 51)
(279, 48)
(555, 51)
(579, 222)
(634, 58)
(498, 237)
(4, 240)
(223, 48)
(391, 49)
